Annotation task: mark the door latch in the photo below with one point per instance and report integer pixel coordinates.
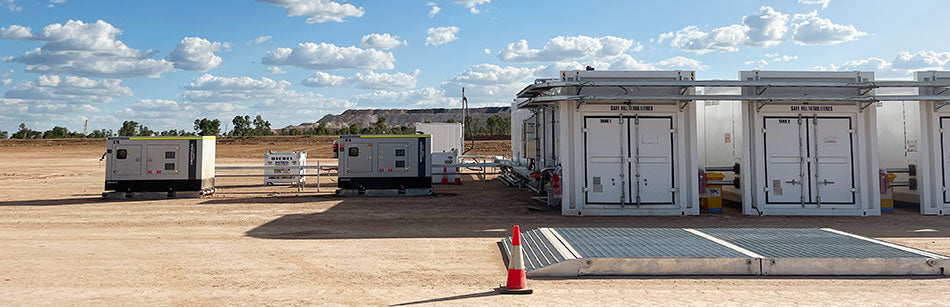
(793, 182)
(826, 182)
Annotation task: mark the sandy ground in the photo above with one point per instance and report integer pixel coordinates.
(253, 245)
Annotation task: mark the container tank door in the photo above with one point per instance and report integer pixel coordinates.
(832, 170)
(604, 141)
(786, 149)
(652, 164)
(359, 158)
(945, 154)
(128, 159)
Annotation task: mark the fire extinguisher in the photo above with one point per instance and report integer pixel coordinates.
(556, 181)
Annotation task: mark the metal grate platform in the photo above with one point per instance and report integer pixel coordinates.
(567, 252)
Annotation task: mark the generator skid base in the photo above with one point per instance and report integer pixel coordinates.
(157, 195)
(383, 192)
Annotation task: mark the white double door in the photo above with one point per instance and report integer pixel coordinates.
(809, 160)
(629, 160)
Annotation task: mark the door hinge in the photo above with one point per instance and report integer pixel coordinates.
(586, 189)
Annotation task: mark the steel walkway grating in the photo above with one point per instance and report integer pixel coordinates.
(642, 242)
(805, 243)
(566, 252)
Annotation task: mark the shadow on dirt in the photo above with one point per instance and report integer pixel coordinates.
(54, 202)
(478, 209)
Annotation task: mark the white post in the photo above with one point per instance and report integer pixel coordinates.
(318, 175)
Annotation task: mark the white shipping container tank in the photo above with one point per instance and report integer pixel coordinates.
(283, 167)
(620, 158)
(809, 157)
(934, 147)
(446, 137)
(160, 164)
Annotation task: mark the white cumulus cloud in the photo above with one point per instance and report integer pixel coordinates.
(318, 11)
(441, 35)
(364, 80)
(269, 97)
(383, 41)
(324, 56)
(423, 97)
(85, 49)
(156, 105)
(16, 32)
(809, 29)
(274, 70)
(767, 27)
(472, 5)
(823, 3)
(775, 57)
(869, 64)
(197, 54)
(922, 60)
(433, 9)
(259, 40)
(679, 62)
(490, 83)
(68, 89)
(627, 62)
(563, 48)
(322, 79)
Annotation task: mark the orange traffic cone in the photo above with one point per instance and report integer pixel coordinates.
(517, 282)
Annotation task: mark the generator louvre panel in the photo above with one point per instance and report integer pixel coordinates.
(805, 243)
(643, 243)
(570, 252)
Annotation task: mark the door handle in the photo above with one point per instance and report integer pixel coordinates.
(793, 182)
(826, 182)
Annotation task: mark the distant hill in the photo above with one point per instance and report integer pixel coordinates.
(402, 117)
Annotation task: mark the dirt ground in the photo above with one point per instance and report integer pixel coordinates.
(254, 245)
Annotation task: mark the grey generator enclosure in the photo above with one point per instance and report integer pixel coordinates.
(159, 164)
(384, 165)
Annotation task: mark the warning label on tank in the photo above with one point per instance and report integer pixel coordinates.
(812, 108)
(598, 188)
(777, 187)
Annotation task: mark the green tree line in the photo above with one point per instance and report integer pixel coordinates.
(257, 126)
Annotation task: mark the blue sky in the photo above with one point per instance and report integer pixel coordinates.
(165, 63)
